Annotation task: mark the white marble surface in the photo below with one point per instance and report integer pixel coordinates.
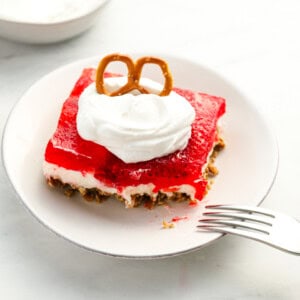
(256, 45)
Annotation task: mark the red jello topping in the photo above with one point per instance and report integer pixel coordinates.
(68, 150)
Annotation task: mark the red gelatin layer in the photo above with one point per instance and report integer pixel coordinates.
(68, 150)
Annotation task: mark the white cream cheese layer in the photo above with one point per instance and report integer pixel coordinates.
(88, 181)
(135, 127)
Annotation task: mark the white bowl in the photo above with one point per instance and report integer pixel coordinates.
(51, 31)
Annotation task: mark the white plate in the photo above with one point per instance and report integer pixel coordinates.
(247, 169)
(44, 31)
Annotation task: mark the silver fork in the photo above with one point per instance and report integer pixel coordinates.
(272, 228)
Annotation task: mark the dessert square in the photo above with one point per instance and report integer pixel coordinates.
(78, 165)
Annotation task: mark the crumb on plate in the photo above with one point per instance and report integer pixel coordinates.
(167, 225)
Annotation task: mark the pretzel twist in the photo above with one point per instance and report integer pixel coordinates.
(134, 74)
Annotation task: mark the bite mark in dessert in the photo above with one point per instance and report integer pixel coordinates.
(77, 164)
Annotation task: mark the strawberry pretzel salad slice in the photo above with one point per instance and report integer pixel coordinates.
(134, 139)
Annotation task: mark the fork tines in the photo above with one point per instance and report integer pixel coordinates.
(272, 228)
(227, 218)
(244, 208)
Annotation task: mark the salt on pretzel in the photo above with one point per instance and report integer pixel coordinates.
(134, 74)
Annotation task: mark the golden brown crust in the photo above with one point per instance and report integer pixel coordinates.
(99, 196)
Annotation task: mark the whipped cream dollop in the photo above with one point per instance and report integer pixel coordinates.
(135, 127)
